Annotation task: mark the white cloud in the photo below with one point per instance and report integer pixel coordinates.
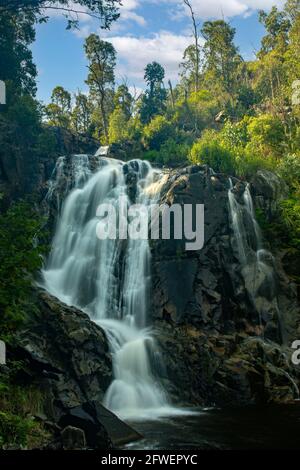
(135, 53)
(132, 16)
(127, 12)
(219, 8)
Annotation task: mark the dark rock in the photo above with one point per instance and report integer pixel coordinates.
(224, 329)
(73, 438)
(268, 191)
(67, 355)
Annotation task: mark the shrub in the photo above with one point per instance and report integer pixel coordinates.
(210, 151)
(158, 131)
(173, 152)
(20, 258)
(289, 170)
(248, 164)
(14, 429)
(118, 126)
(266, 134)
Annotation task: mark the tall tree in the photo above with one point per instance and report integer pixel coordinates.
(277, 26)
(16, 65)
(222, 58)
(189, 69)
(154, 99)
(101, 78)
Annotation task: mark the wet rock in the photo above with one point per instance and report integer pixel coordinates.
(223, 328)
(268, 191)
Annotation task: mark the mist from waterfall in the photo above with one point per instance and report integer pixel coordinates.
(110, 279)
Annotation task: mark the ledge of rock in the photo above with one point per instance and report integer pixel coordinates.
(67, 356)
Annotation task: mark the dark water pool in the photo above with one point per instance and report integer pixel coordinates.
(272, 427)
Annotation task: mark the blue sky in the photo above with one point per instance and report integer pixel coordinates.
(147, 30)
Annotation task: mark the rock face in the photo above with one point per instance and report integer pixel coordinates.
(25, 172)
(227, 342)
(67, 355)
(268, 191)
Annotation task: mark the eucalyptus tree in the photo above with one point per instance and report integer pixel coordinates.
(101, 56)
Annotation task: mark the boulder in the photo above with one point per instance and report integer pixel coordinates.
(67, 356)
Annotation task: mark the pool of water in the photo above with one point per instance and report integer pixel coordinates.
(271, 427)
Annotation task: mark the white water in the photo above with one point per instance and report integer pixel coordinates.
(257, 263)
(110, 280)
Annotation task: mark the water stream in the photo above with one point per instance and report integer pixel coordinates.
(110, 279)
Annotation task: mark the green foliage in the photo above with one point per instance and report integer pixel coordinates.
(58, 111)
(14, 429)
(158, 131)
(20, 258)
(106, 11)
(153, 101)
(222, 59)
(266, 134)
(171, 153)
(209, 150)
(291, 217)
(118, 126)
(289, 170)
(101, 56)
(18, 405)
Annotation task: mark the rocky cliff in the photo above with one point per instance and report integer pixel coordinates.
(224, 328)
(66, 356)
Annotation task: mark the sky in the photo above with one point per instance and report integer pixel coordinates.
(147, 30)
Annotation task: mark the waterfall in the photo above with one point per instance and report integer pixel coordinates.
(110, 279)
(257, 263)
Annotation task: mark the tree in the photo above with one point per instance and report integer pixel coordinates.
(154, 75)
(81, 113)
(190, 77)
(58, 111)
(158, 131)
(118, 126)
(277, 26)
(61, 98)
(104, 10)
(102, 60)
(16, 65)
(222, 58)
(20, 259)
(193, 54)
(123, 100)
(153, 100)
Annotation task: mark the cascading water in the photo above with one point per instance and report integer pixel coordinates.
(257, 263)
(110, 279)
